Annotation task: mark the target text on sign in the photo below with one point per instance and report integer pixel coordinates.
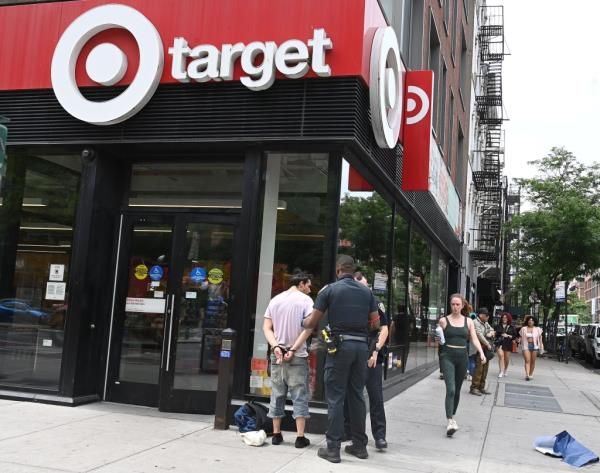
(293, 58)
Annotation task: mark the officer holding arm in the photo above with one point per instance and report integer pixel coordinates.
(352, 312)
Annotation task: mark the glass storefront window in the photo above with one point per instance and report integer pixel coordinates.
(400, 326)
(200, 185)
(365, 234)
(298, 226)
(419, 284)
(39, 197)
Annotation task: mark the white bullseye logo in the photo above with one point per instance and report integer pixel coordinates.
(386, 88)
(106, 64)
(411, 105)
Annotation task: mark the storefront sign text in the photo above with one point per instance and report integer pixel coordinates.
(106, 64)
(293, 58)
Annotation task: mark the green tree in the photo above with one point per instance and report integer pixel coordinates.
(578, 306)
(559, 238)
(365, 224)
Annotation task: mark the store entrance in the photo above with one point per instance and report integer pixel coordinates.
(172, 298)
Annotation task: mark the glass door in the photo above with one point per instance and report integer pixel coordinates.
(201, 307)
(173, 297)
(140, 310)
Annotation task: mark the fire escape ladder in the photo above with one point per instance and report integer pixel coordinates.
(487, 174)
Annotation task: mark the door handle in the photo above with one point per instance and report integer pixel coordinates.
(170, 314)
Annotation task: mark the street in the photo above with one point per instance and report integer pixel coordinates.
(496, 434)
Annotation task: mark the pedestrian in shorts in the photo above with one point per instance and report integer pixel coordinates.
(283, 330)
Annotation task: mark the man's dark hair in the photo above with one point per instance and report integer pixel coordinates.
(300, 276)
(346, 264)
(483, 311)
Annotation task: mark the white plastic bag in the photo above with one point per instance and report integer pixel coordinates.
(254, 438)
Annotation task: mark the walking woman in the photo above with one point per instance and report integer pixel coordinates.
(505, 334)
(457, 329)
(531, 340)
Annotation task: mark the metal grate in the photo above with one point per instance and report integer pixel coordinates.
(538, 398)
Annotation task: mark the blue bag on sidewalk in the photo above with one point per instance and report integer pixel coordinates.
(565, 446)
(572, 451)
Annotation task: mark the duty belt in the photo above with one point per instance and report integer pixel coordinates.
(351, 338)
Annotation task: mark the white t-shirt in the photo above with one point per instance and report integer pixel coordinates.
(287, 310)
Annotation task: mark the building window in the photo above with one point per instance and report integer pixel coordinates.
(415, 57)
(435, 60)
(441, 123)
(419, 283)
(400, 323)
(38, 202)
(450, 154)
(200, 185)
(461, 163)
(465, 69)
(403, 25)
(447, 15)
(455, 22)
(366, 234)
(300, 201)
(365, 229)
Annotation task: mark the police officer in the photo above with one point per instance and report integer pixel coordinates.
(352, 312)
(374, 380)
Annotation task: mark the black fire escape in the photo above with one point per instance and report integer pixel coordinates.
(489, 158)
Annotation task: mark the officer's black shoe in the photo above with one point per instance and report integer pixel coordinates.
(380, 444)
(332, 456)
(358, 452)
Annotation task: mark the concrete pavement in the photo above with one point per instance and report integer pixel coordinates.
(496, 433)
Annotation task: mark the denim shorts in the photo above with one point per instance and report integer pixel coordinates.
(531, 347)
(289, 377)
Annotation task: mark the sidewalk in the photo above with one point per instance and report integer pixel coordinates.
(494, 437)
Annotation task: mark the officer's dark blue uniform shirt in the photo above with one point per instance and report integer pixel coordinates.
(349, 304)
(373, 336)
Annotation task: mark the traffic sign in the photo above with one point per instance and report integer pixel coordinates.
(560, 291)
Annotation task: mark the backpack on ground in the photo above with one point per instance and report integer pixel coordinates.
(253, 416)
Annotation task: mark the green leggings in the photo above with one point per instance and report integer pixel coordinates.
(453, 363)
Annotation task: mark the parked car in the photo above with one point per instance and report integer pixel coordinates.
(577, 340)
(20, 311)
(592, 345)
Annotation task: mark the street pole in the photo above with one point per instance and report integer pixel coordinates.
(566, 325)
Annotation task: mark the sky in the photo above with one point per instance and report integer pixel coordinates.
(551, 80)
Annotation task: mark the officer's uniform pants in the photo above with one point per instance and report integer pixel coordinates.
(374, 385)
(345, 375)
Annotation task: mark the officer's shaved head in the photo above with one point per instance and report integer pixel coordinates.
(345, 264)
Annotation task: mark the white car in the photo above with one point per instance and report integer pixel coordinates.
(592, 345)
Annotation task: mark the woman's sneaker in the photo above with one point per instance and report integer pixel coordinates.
(451, 428)
(501, 374)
